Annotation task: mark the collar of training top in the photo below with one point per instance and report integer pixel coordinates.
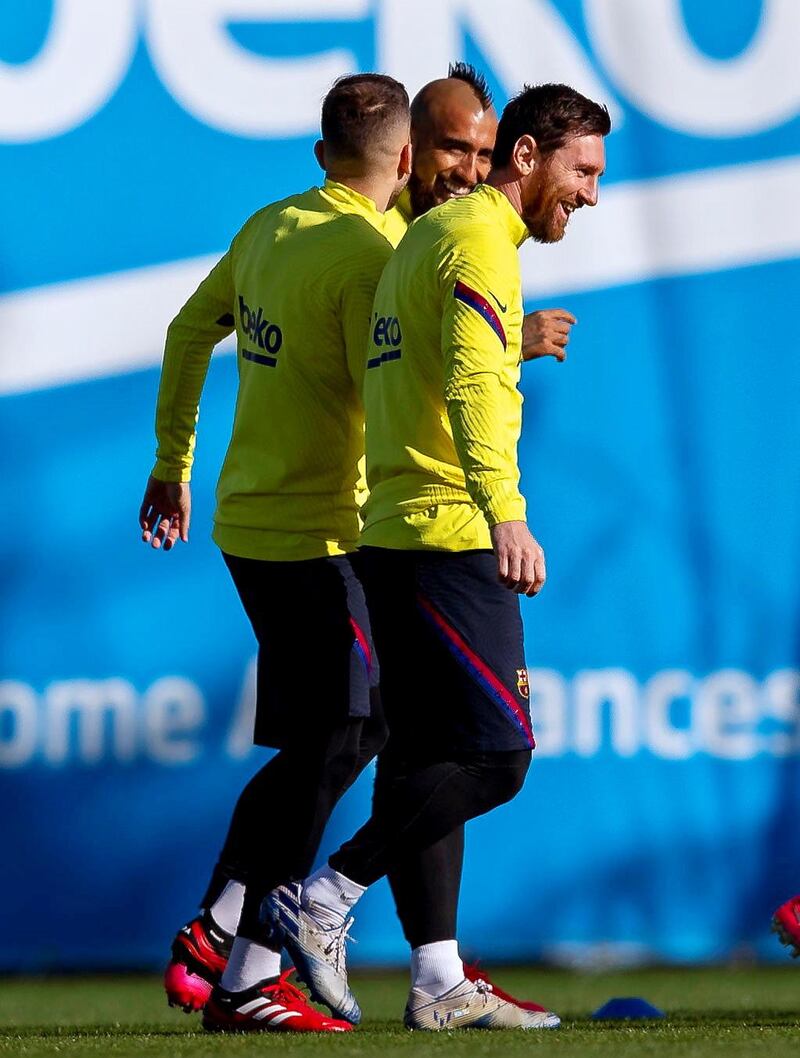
(345, 195)
(403, 205)
(397, 220)
(511, 221)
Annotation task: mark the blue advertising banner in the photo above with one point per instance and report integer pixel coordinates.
(661, 464)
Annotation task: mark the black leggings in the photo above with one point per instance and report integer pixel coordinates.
(425, 887)
(415, 833)
(279, 819)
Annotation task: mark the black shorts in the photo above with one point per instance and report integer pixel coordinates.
(449, 637)
(316, 663)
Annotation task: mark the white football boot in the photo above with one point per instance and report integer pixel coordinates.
(318, 952)
(471, 1005)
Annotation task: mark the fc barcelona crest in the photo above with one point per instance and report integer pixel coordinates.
(522, 683)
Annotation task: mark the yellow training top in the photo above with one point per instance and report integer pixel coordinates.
(297, 284)
(442, 407)
(397, 219)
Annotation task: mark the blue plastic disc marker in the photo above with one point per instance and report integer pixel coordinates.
(625, 1007)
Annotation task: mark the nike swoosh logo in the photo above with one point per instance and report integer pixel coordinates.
(500, 305)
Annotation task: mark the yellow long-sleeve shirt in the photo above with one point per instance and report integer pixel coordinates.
(297, 284)
(397, 219)
(443, 412)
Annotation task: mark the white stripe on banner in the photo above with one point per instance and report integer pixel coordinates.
(92, 328)
(698, 222)
(701, 222)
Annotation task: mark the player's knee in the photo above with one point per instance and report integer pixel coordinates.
(508, 777)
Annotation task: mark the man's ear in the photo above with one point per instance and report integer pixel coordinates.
(319, 154)
(525, 155)
(404, 162)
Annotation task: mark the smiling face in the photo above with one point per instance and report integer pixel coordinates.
(452, 137)
(562, 182)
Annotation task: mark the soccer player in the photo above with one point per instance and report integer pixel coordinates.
(453, 129)
(447, 553)
(297, 285)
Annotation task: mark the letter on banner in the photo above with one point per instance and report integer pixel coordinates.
(663, 739)
(592, 690)
(524, 41)
(174, 712)
(19, 703)
(85, 56)
(90, 709)
(727, 712)
(652, 58)
(233, 89)
(781, 702)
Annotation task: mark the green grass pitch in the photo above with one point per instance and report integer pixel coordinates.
(736, 1013)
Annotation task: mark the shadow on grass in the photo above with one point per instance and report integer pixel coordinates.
(91, 1032)
(707, 1023)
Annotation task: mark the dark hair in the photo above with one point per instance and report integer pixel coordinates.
(358, 109)
(463, 71)
(552, 114)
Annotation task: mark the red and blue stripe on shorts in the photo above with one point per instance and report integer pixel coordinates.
(361, 646)
(479, 670)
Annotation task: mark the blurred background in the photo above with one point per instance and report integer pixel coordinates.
(661, 464)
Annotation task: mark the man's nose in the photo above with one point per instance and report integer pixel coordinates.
(590, 193)
(467, 169)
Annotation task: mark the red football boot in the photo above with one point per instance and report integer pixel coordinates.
(270, 1006)
(199, 955)
(786, 923)
(473, 972)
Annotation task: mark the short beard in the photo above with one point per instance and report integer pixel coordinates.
(544, 229)
(539, 214)
(421, 197)
(539, 218)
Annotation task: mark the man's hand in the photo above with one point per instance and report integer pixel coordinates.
(546, 333)
(165, 513)
(520, 559)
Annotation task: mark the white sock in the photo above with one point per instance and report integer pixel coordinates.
(332, 894)
(437, 967)
(248, 964)
(227, 908)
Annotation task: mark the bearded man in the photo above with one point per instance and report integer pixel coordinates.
(446, 554)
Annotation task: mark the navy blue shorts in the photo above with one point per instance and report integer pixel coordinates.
(316, 663)
(449, 639)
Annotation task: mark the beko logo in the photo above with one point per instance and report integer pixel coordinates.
(643, 49)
